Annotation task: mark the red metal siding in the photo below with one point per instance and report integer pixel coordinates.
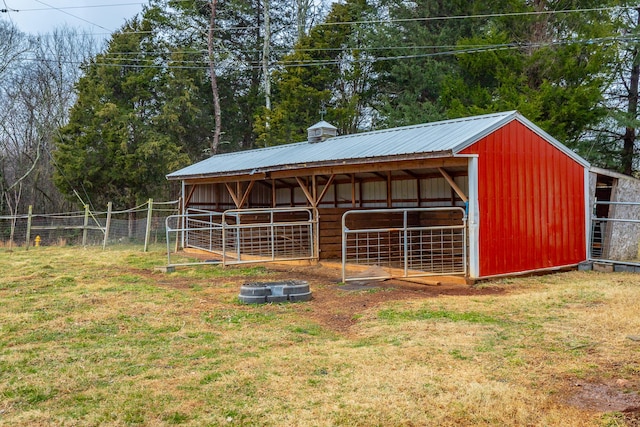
(531, 203)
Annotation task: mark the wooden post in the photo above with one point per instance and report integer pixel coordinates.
(30, 215)
(107, 225)
(218, 192)
(353, 190)
(147, 232)
(274, 194)
(85, 225)
(314, 191)
(389, 191)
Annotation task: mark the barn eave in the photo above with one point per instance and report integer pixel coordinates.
(304, 168)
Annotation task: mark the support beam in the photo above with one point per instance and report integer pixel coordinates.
(245, 197)
(474, 219)
(187, 199)
(453, 185)
(232, 193)
(324, 190)
(305, 190)
(235, 195)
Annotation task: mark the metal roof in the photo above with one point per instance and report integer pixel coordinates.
(437, 139)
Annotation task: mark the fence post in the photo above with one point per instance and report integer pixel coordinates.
(107, 225)
(29, 226)
(85, 225)
(181, 224)
(147, 233)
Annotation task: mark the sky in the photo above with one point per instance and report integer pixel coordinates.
(100, 17)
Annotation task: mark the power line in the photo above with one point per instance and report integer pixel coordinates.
(61, 8)
(7, 9)
(401, 20)
(366, 59)
(481, 16)
(284, 51)
(72, 15)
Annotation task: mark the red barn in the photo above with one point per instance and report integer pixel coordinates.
(475, 197)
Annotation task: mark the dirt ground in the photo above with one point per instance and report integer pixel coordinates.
(336, 307)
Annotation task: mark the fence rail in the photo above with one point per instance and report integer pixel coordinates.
(239, 236)
(143, 224)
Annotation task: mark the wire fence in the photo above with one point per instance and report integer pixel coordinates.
(142, 225)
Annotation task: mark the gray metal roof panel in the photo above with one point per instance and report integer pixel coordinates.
(437, 137)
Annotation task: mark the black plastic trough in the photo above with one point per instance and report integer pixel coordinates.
(281, 291)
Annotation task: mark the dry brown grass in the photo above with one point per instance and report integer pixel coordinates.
(91, 337)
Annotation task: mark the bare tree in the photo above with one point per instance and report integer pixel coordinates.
(14, 45)
(35, 99)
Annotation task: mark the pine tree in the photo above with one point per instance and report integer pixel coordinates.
(112, 148)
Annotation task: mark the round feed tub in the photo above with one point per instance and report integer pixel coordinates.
(282, 291)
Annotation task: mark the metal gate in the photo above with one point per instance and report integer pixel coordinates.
(615, 235)
(403, 243)
(239, 236)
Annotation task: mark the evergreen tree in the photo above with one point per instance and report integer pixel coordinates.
(237, 48)
(327, 70)
(613, 143)
(419, 39)
(548, 66)
(113, 147)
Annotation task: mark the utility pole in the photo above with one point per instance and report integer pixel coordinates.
(214, 80)
(266, 51)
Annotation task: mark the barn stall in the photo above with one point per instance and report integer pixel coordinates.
(474, 197)
(615, 218)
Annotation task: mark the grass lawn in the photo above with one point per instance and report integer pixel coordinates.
(93, 337)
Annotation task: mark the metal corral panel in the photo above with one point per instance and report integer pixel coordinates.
(438, 138)
(531, 198)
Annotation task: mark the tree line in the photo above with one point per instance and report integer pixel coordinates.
(188, 79)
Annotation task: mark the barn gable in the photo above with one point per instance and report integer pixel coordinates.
(531, 196)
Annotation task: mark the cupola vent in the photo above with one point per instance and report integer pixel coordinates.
(321, 131)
